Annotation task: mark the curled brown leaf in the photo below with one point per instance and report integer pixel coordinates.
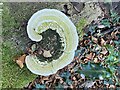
(21, 60)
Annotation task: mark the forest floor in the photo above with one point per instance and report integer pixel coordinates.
(97, 58)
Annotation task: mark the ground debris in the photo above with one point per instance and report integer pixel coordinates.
(87, 84)
(21, 60)
(47, 53)
(91, 49)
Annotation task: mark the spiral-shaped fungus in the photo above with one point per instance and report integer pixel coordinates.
(51, 19)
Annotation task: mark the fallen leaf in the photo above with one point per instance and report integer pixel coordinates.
(40, 51)
(86, 60)
(98, 48)
(57, 77)
(70, 66)
(45, 78)
(87, 84)
(89, 56)
(74, 78)
(29, 51)
(95, 60)
(21, 60)
(101, 26)
(112, 86)
(95, 40)
(100, 57)
(102, 42)
(114, 35)
(86, 41)
(46, 53)
(104, 52)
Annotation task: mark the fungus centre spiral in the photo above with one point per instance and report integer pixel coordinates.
(51, 41)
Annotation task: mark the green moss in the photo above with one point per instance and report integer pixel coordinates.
(12, 75)
(8, 22)
(80, 25)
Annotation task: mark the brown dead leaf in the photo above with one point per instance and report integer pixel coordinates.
(104, 51)
(57, 76)
(87, 84)
(71, 86)
(102, 42)
(47, 53)
(29, 51)
(70, 66)
(100, 57)
(95, 40)
(95, 60)
(86, 41)
(74, 78)
(45, 78)
(114, 35)
(89, 56)
(98, 47)
(21, 60)
(86, 60)
(112, 86)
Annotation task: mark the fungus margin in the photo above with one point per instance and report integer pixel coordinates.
(65, 29)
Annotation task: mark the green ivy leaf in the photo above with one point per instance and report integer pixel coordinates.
(106, 23)
(40, 86)
(66, 75)
(90, 68)
(59, 87)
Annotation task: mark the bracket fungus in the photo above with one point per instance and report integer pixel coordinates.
(59, 39)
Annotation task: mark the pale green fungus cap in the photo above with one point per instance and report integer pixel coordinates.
(56, 20)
